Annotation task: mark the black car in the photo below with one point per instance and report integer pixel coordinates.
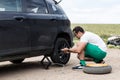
(32, 28)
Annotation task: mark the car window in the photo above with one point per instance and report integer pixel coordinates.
(36, 6)
(10, 5)
(57, 9)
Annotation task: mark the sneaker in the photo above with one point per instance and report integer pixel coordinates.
(101, 61)
(78, 67)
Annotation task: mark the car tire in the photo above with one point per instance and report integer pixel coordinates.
(17, 61)
(58, 56)
(98, 69)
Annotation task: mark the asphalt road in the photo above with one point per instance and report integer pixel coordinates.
(31, 69)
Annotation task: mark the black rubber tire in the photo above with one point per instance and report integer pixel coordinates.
(98, 70)
(17, 61)
(58, 56)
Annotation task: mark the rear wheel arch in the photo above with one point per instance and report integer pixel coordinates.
(65, 36)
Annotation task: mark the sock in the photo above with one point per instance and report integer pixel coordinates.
(82, 62)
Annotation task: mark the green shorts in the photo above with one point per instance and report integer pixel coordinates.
(94, 52)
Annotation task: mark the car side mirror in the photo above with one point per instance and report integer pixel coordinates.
(57, 1)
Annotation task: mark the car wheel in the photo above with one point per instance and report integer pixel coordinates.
(17, 61)
(58, 56)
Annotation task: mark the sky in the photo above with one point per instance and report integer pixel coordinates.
(92, 11)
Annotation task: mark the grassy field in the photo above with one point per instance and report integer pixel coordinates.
(103, 30)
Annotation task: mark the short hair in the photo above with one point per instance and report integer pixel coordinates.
(77, 29)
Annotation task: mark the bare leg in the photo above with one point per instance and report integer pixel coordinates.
(81, 56)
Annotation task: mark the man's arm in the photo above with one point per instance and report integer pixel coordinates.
(78, 48)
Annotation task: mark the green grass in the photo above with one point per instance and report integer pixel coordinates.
(103, 30)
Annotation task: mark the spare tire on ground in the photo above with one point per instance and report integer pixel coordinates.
(97, 69)
(114, 40)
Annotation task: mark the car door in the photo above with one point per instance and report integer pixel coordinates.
(14, 32)
(43, 25)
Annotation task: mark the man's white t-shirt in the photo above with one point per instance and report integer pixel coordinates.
(92, 38)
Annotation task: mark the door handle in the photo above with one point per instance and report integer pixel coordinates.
(19, 18)
(53, 20)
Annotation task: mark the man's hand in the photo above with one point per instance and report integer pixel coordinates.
(65, 50)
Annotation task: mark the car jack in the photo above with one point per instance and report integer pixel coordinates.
(46, 64)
